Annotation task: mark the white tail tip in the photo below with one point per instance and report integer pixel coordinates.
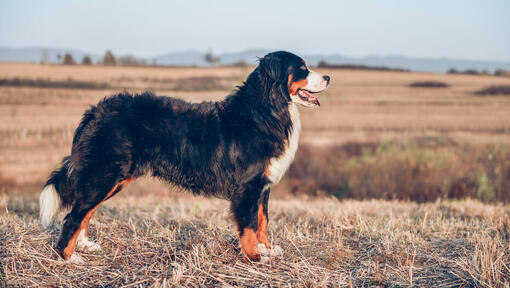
(49, 203)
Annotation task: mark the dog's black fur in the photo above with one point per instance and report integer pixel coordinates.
(211, 148)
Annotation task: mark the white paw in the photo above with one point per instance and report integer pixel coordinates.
(276, 250)
(262, 249)
(273, 252)
(75, 259)
(264, 259)
(87, 246)
(83, 244)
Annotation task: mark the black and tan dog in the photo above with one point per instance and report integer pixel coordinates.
(235, 149)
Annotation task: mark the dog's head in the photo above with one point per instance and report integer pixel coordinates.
(294, 80)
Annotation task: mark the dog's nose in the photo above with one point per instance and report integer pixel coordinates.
(326, 77)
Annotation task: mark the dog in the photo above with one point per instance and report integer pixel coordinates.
(235, 149)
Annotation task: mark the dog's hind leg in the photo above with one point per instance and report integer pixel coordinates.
(78, 219)
(83, 243)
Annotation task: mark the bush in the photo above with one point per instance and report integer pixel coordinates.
(422, 171)
(130, 60)
(494, 90)
(429, 84)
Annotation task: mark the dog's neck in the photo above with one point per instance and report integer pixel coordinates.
(261, 100)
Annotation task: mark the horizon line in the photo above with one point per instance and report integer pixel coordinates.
(507, 61)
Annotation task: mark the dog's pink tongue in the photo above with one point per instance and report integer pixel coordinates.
(315, 99)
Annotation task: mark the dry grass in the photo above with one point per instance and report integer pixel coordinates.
(187, 241)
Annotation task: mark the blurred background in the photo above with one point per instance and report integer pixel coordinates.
(418, 108)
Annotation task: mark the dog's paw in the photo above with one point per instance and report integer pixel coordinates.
(87, 246)
(75, 259)
(264, 259)
(262, 249)
(273, 252)
(276, 250)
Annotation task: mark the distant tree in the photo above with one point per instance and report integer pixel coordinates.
(68, 59)
(59, 56)
(210, 58)
(501, 72)
(471, 72)
(86, 60)
(131, 60)
(109, 58)
(323, 64)
(452, 71)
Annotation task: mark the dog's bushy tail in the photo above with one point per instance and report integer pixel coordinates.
(57, 193)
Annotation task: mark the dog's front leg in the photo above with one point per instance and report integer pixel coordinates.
(245, 209)
(263, 219)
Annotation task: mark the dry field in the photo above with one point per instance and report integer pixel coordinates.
(164, 241)
(153, 235)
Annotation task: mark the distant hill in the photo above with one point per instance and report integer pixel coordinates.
(196, 58)
(37, 54)
(184, 58)
(439, 65)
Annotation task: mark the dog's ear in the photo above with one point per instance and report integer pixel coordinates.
(272, 66)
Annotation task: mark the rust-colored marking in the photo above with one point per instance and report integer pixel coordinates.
(69, 250)
(295, 85)
(267, 171)
(71, 245)
(249, 245)
(262, 228)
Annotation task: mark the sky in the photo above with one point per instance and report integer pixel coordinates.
(467, 29)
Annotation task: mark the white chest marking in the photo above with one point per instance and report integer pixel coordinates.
(278, 166)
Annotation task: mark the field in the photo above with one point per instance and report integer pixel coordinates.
(374, 136)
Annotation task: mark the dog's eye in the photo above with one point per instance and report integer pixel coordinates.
(303, 67)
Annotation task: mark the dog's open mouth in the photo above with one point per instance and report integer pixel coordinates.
(308, 96)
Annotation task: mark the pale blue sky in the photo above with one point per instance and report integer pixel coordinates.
(471, 29)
